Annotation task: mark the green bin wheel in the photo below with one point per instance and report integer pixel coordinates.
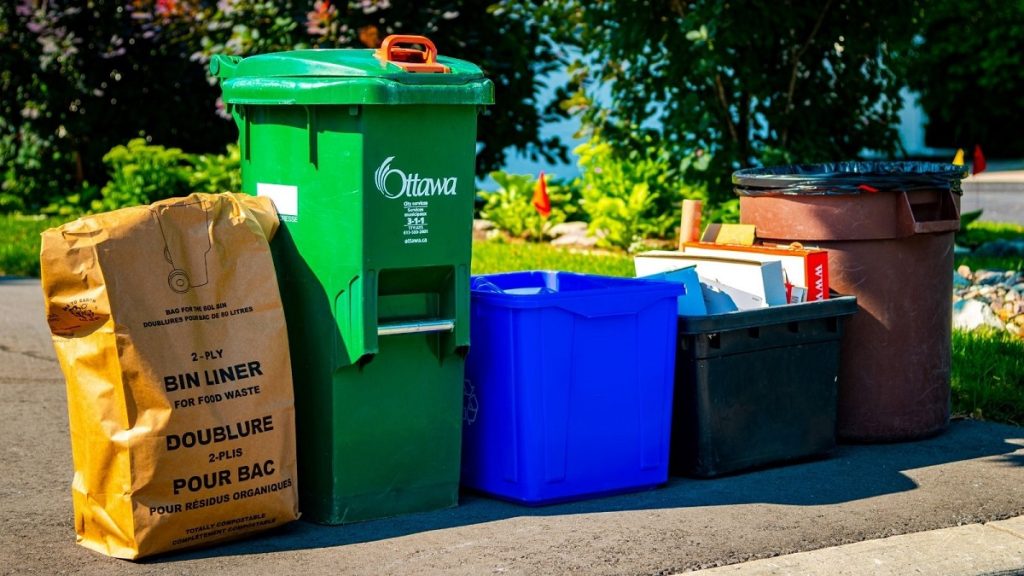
(178, 281)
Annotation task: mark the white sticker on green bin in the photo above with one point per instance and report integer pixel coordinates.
(286, 198)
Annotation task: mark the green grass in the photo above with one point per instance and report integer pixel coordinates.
(988, 376)
(989, 262)
(977, 233)
(491, 257)
(19, 243)
(988, 366)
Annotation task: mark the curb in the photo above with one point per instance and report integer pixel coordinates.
(991, 549)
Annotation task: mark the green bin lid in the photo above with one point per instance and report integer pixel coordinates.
(353, 76)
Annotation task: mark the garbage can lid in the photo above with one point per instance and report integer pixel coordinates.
(392, 74)
(847, 178)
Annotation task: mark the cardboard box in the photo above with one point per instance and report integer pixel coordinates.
(691, 303)
(761, 283)
(804, 267)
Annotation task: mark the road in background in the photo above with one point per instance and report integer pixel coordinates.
(1000, 196)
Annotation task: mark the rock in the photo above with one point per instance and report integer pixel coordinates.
(572, 234)
(993, 298)
(959, 281)
(972, 314)
(1001, 248)
(987, 277)
(572, 240)
(483, 229)
(572, 228)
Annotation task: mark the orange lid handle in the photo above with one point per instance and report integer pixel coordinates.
(411, 59)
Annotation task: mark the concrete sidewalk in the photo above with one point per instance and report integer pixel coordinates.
(851, 509)
(995, 548)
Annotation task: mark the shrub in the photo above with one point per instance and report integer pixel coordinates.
(142, 173)
(77, 78)
(31, 167)
(511, 208)
(816, 81)
(633, 196)
(215, 173)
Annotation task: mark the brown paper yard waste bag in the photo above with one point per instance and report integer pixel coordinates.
(168, 325)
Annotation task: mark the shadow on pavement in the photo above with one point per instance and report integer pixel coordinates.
(853, 472)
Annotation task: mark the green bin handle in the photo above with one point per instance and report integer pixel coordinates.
(423, 326)
(224, 67)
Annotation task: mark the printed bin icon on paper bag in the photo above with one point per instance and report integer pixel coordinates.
(179, 384)
(187, 243)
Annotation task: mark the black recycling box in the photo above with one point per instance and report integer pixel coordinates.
(757, 387)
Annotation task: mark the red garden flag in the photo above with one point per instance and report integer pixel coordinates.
(979, 161)
(541, 201)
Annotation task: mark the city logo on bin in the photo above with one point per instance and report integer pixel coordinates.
(393, 183)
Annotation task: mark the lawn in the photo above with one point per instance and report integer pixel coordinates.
(491, 257)
(988, 367)
(988, 376)
(19, 243)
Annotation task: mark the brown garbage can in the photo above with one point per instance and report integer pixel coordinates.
(888, 228)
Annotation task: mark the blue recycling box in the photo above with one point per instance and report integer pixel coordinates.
(568, 389)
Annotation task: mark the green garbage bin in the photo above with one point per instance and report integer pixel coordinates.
(369, 158)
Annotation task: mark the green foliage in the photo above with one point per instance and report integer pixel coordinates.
(29, 163)
(216, 173)
(977, 233)
(725, 211)
(633, 194)
(83, 201)
(246, 27)
(967, 218)
(990, 262)
(511, 208)
(19, 243)
(966, 68)
(742, 83)
(988, 376)
(513, 51)
(491, 257)
(142, 174)
(77, 78)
